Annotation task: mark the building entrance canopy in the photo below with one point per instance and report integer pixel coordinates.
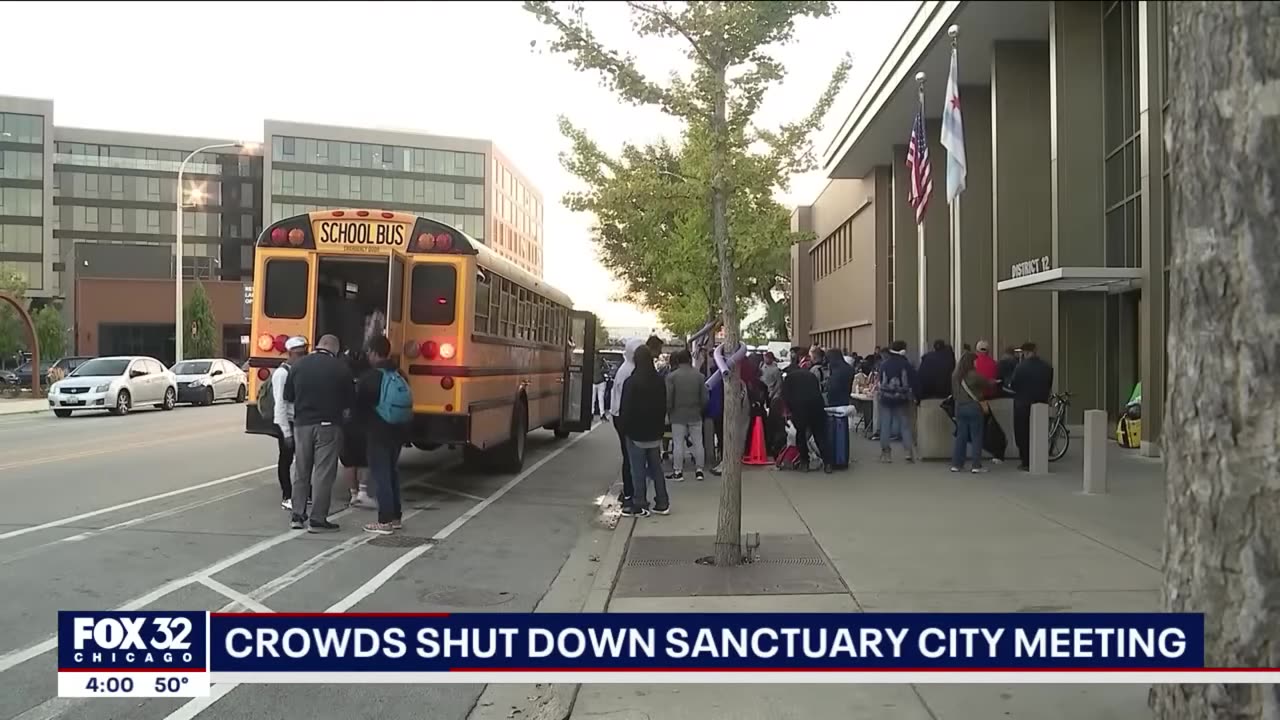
(1077, 279)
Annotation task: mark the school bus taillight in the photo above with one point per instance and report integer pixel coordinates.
(446, 382)
(446, 351)
(427, 242)
(263, 374)
(266, 342)
(430, 349)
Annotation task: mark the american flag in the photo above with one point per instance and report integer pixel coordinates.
(918, 165)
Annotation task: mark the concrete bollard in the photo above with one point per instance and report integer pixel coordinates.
(1039, 439)
(1095, 452)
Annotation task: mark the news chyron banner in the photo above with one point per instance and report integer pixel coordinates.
(148, 654)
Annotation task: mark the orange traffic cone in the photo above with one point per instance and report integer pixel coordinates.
(756, 454)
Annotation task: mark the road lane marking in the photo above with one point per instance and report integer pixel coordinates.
(451, 491)
(198, 705)
(234, 595)
(113, 449)
(28, 552)
(12, 659)
(133, 503)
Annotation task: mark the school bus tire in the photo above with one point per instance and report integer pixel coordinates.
(509, 457)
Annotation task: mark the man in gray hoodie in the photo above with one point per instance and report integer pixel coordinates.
(615, 407)
(687, 398)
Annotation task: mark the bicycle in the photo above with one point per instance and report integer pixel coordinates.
(1059, 435)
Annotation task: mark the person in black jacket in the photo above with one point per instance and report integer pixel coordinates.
(320, 388)
(1032, 383)
(383, 441)
(803, 397)
(644, 418)
(935, 372)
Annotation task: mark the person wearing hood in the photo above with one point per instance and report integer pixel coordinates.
(899, 386)
(643, 415)
(615, 405)
(840, 382)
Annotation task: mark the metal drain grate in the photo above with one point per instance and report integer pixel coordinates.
(658, 563)
(789, 561)
(400, 541)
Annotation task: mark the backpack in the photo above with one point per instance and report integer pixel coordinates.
(395, 400)
(896, 390)
(266, 400)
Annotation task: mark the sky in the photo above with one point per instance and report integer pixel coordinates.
(447, 68)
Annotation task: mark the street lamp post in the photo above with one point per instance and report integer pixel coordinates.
(177, 252)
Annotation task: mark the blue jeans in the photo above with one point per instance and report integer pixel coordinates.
(896, 420)
(646, 464)
(969, 422)
(384, 471)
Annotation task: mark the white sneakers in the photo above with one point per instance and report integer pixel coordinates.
(363, 501)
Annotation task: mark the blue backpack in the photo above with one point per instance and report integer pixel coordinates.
(395, 400)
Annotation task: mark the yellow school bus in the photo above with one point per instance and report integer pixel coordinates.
(489, 349)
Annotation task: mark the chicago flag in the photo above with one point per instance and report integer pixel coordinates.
(953, 133)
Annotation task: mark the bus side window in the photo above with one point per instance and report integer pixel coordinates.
(482, 303)
(285, 289)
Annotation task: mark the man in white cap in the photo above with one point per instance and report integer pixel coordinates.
(296, 347)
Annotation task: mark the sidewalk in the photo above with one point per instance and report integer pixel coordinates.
(17, 406)
(899, 537)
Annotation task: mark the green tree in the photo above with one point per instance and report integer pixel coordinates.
(50, 332)
(202, 332)
(730, 46)
(13, 336)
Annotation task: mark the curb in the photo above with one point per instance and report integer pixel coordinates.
(16, 413)
(555, 702)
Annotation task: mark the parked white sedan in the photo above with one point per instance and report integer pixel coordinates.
(204, 382)
(114, 384)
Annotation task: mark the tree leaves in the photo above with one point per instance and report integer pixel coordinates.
(202, 328)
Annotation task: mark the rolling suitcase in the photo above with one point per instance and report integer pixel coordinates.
(838, 440)
(994, 440)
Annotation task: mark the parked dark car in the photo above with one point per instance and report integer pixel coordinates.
(22, 373)
(66, 365)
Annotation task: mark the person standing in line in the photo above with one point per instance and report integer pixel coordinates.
(1004, 371)
(1032, 383)
(968, 388)
(355, 452)
(615, 409)
(936, 369)
(771, 374)
(321, 390)
(384, 407)
(687, 399)
(803, 398)
(899, 387)
(644, 417)
(599, 381)
(986, 366)
(282, 411)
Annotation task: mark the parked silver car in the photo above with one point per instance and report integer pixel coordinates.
(204, 382)
(115, 384)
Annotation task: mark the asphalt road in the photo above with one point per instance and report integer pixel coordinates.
(180, 510)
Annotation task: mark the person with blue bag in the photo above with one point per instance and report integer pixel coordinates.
(384, 404)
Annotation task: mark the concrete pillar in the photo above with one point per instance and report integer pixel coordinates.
(1039, 439)
(1153, 312)
(1095, 452)
(1078, 237)
(1020, 188)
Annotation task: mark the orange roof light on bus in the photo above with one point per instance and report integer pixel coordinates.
(362, 213)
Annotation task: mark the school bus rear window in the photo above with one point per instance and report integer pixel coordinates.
(285, 294)
(433, 289)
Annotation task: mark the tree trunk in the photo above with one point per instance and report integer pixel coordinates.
(1222, 446)
(729, 522)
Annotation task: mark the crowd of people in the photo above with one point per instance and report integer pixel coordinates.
(882, 390)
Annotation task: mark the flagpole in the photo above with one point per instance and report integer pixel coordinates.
(922, 261)
(957, 318)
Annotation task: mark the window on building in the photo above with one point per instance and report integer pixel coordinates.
(153, 188)
(459, 191)
(246, 195)
(153, 220)
(289, 146)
